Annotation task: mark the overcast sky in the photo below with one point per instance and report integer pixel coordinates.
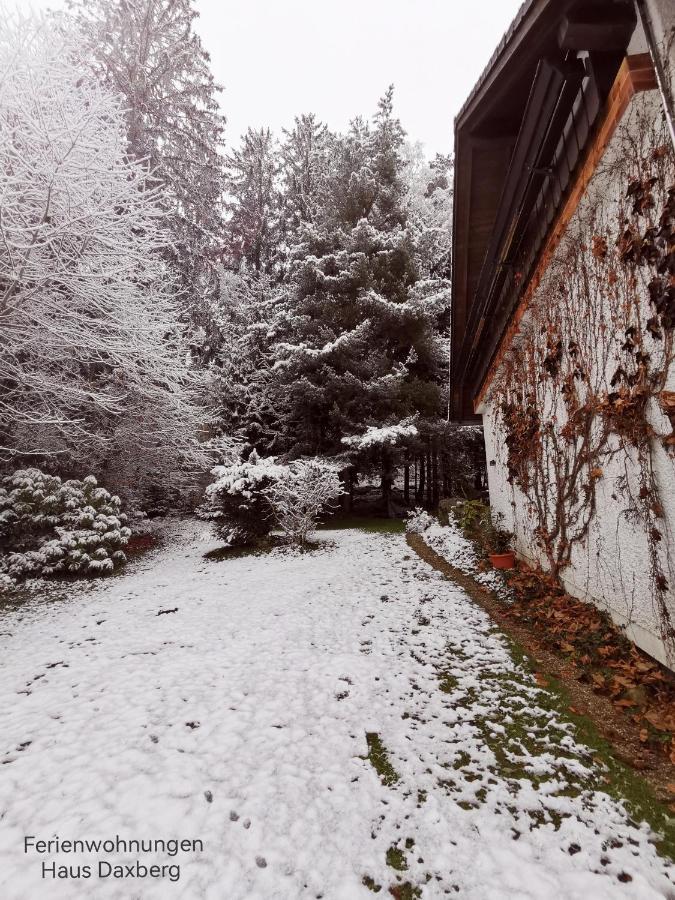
(278, 58)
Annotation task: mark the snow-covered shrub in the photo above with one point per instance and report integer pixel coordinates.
(418, 520)
(237, 502)
(298, 498)
(50, 526)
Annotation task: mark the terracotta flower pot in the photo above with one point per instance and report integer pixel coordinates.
(503, 560)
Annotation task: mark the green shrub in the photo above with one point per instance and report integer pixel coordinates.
(472, 517)
(237, 502)
(480, 525)
(49, 526)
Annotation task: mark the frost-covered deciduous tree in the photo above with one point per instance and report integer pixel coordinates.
(298, 498)
(93, 367)
(148, 51)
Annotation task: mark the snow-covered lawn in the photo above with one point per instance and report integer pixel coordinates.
(241, 719)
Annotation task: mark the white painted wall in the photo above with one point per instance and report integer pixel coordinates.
(611, 568)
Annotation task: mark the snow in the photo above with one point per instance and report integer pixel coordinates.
(241, 718)
(380, 436)
(449, 542)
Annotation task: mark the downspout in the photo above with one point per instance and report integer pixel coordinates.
(661, 77)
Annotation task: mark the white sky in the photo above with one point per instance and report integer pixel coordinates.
(279, 58)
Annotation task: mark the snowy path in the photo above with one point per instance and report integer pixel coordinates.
(241, 720)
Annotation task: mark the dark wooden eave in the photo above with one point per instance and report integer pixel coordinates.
(518, 139)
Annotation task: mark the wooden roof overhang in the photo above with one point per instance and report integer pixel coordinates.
(518, 139)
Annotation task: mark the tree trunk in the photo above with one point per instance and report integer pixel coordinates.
(429, 479)
(434, 480)
(406, 479)
(387, 481)
(419, 494)
(347, 499)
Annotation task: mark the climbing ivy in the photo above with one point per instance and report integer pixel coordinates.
(584, 383)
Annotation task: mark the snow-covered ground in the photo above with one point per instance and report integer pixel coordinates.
(449, 542)
(240, 719)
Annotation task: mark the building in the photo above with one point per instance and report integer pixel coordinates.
(564, 298)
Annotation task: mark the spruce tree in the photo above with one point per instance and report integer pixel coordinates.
(148, 51)
(253, 203)
(305, 160)
(356, 345)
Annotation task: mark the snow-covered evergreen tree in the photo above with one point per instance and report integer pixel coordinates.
(148, 51)
(237, 503)
(429, 206)
(354, 334)
(253, 203)
(243, 364)
(305, 163)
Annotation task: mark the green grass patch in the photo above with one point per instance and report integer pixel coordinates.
(447, 682)
(262, 547)
(610, 776)
(372, 524)
(223, 553)
(377, 755)
(396, 859)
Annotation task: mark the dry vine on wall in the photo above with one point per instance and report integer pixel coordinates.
(584, 385)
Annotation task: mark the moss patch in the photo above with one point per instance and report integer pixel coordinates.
(371, 884)
(396, 859)
(377, 755)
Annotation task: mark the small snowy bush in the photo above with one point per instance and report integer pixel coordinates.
(49, 526)
(298, 498)
(237, 501)
(418, 521)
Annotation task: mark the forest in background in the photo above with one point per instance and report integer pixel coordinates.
(167, 304)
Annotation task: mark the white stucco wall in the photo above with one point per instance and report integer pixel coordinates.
(611, 567)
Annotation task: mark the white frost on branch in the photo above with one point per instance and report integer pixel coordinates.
(298, 498)
(388, 435)
(92, 361)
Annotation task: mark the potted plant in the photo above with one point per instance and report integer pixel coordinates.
(497, 542)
